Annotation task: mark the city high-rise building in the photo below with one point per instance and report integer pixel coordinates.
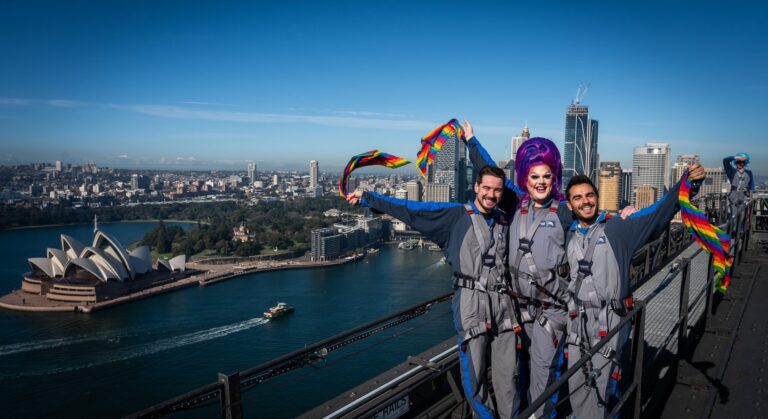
(517, 141)
(413, 187)
(626, 188)
(580, 153)
(609, 186)
(449, 168)
(688, 158)
(650, 167)
(314, 172)
(438, 192)
(715, 182)
(645, 196)
(681, 163)
(401, 194)
(251, 172)
(58, 166)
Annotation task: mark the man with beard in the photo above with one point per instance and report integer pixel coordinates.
(473, 237)
(599, 252)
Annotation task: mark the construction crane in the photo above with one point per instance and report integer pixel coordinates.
(581, 92)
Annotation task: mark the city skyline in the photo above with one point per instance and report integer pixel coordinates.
(159, 86)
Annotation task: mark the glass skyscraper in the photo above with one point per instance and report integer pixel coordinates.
(449, 168)
(580, 154)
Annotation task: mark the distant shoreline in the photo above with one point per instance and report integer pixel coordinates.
(105, 222)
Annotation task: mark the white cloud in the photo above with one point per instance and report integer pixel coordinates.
(14, 101)
(122, 156)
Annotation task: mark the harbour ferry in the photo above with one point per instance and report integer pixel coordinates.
(280, 310)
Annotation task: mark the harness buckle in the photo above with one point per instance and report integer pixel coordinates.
(623, 306)
(489, 260)
(525, 245)
(585, 267)
(501, 288)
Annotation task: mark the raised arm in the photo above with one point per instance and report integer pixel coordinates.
(435, 220)
(728, 166)
(480, 158)
(633, 232)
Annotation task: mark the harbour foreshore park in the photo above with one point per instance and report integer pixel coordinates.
(81, 278)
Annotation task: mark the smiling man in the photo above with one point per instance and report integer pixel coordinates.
(473, 237)
(599, 253)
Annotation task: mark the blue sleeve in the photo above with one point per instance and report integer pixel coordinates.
(751, 181)
(628, 235)
(728, 166)
(566, 217)
(435, 220)
(480, 158)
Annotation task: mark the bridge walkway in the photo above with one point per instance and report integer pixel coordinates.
(725, 375)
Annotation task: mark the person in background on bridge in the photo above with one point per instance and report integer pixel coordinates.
(742, 186)
(600, 252)
(473, 237)
(538, 265)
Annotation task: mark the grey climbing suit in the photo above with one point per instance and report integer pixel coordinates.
(537, 255)
(476, 250)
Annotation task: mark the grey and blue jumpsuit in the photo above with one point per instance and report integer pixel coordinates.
(742, 186)
(600, 296)
(536, 251)
(475, 247)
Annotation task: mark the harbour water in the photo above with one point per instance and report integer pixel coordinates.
(114, 362)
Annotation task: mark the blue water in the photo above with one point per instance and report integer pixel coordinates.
(117, 361)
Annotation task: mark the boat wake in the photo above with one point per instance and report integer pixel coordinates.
(134, 351)
(37, 345)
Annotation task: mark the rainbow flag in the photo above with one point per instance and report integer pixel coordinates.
(433, 142)
(709, 237)
(369, 158)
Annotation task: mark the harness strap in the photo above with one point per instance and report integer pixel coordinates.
(551, 328)
(537, 279)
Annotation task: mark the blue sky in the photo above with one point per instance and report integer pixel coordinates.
(166, 84)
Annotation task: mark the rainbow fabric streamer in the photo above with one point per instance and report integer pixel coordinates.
(369, 158)
(433, 142)
(709, 237)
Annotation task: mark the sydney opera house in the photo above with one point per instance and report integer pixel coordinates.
(79, 273)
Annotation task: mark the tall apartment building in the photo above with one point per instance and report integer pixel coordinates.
(645, 196)
(517, 141)
(449, 168)
(437, 192)
(580, 151)
(651, 167)
(413, 187)
(609, 186)
(626, 188)
(251, 172)
(314, 173)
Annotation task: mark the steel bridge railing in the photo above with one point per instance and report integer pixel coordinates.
(646, 262)
(229, 387)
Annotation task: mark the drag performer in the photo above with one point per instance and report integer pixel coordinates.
(474, 239)
(599, 254)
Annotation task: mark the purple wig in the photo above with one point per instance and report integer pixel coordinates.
(534, 152)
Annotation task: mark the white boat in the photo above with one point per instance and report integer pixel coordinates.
(280, 310)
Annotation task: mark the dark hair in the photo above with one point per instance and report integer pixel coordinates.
(579, 180)
(491, 171)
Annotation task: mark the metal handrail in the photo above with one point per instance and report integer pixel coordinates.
(282, 364)
(231, 406)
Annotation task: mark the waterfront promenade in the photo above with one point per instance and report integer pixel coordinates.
(196, 275)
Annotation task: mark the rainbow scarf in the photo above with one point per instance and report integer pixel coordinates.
(369, 158)
(710, 237)
(433, 142)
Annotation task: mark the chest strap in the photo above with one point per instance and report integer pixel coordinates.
(536, 278)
